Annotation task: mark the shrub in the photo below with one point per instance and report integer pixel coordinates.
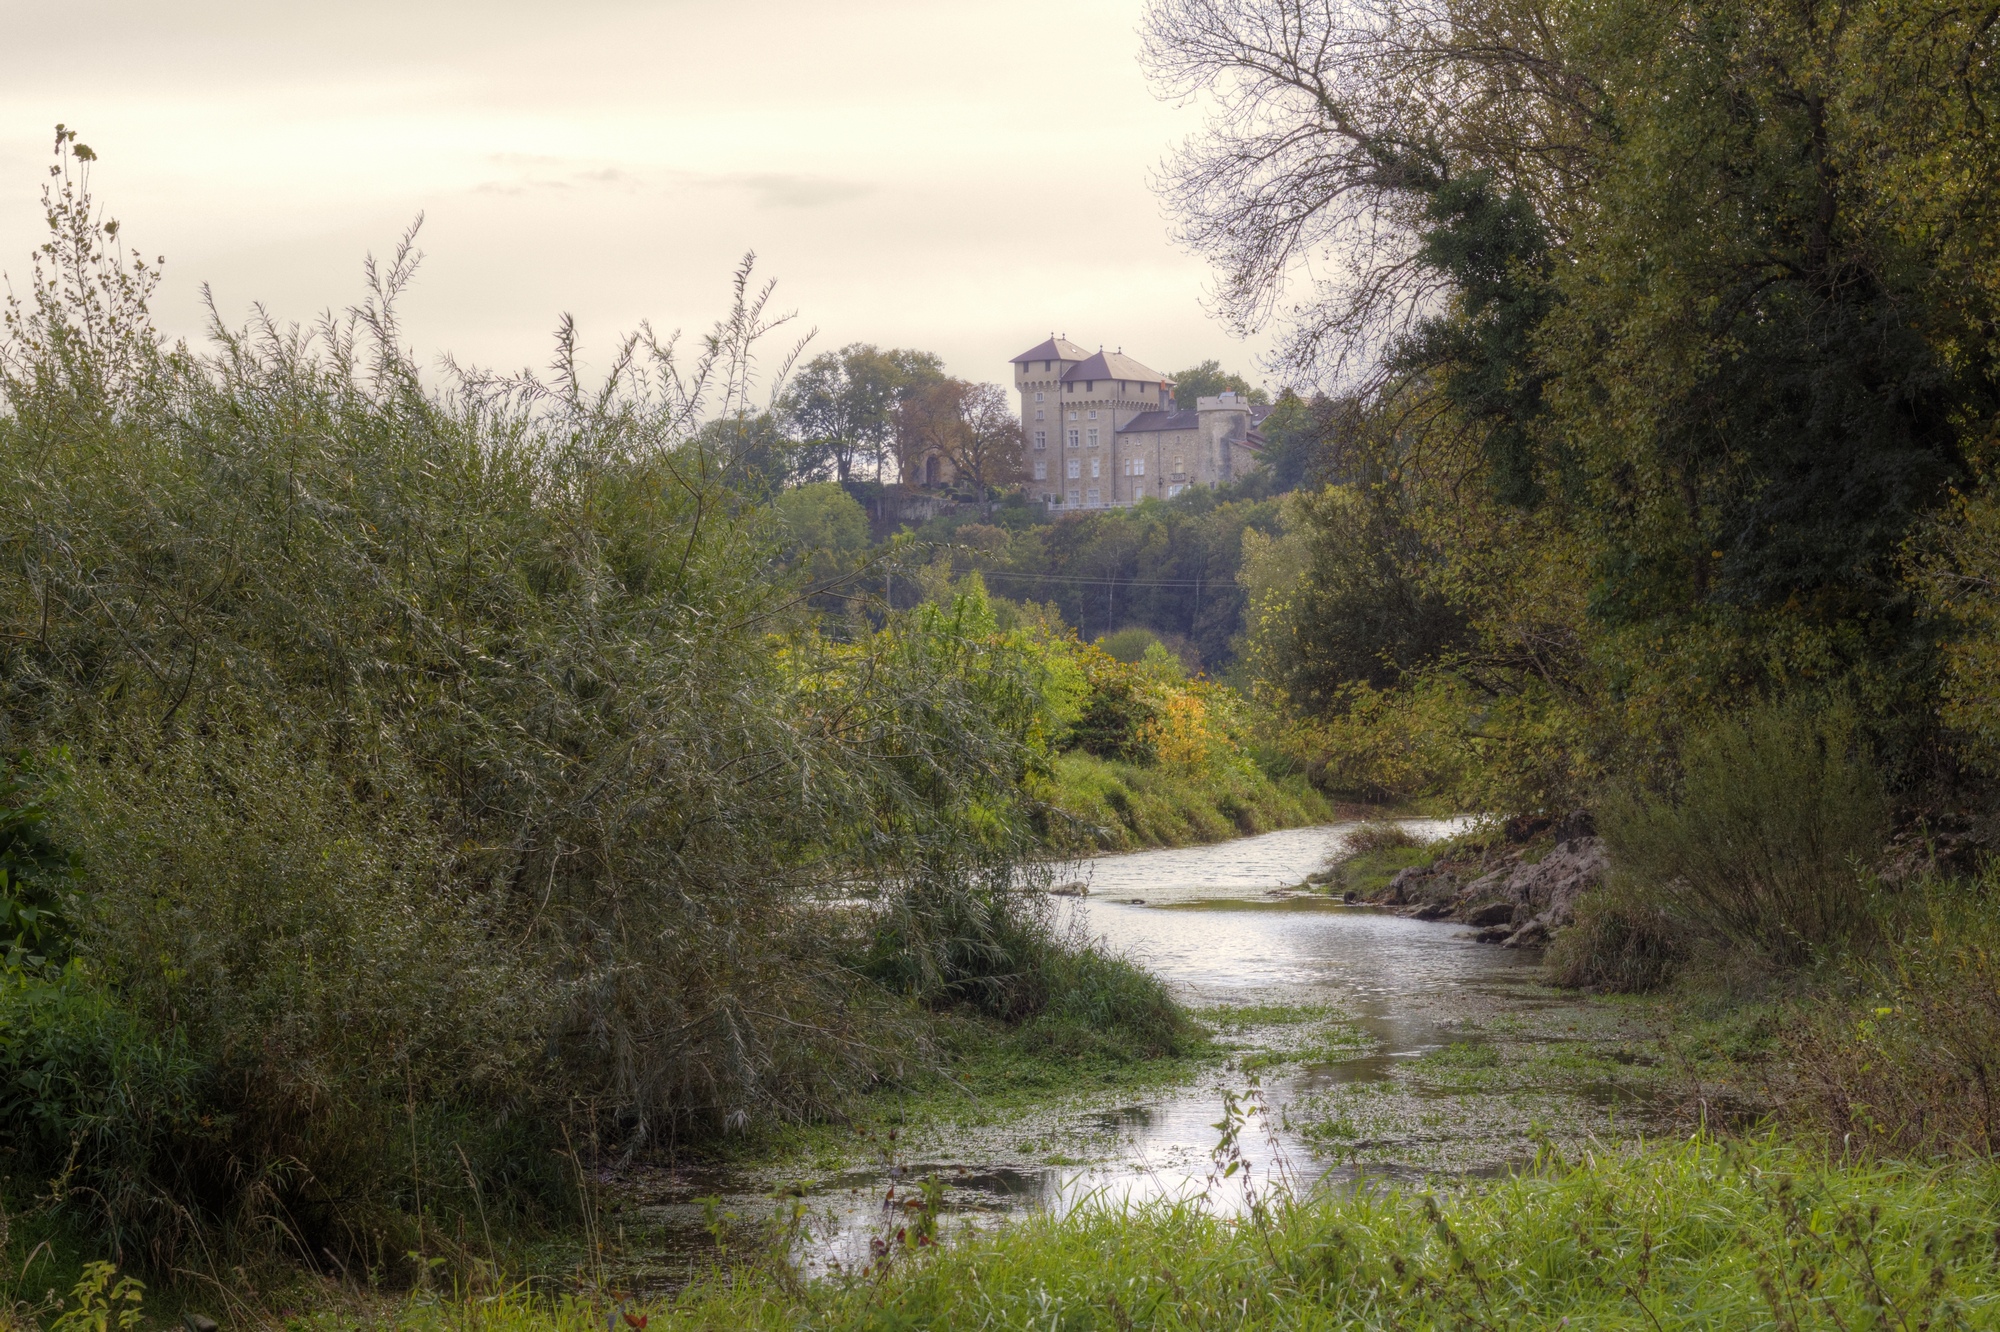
(453, 766)
(1765, 839)
(103, 1112)
(1621, 941)
(1905, 1057)
(1381, 835)
(1087, 1003)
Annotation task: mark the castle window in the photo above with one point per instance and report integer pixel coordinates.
(1092, 414)
(1093, 436)
(1072, 416)
(1038, 413)
(1041, 469)
(1075, 468)
(1041, 439)
(1038, 397)
(1095, 469)
(1139, 465)
(1072, 439)
(1093, 496)
(1128, 467)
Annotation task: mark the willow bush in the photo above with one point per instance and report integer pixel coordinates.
(1764, 842)
(448, 774)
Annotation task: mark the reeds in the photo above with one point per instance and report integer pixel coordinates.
(450, 766)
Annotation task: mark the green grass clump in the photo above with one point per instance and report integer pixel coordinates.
(1368, 873)
(1700, 1234)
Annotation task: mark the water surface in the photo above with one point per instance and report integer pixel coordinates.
(1414, 1090)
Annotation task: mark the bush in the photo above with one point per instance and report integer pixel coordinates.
(104, 1114)
(453, 768)
(1091, 1004)
(1766, 839)
(1382, 835)
(1905, 1057)
(1621, 941)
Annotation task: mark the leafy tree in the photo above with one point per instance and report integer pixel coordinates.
(838, 407)
(1207, 380)
(1669, 321)
(969, 428)
(820, 516)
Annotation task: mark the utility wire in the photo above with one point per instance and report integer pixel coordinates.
(1098, 582)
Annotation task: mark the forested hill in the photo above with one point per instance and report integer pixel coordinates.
(1169, 567)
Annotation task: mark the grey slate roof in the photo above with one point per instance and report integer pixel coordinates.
(1055, 349)
(1146, 421)
(1113, 365)
(1186, 420)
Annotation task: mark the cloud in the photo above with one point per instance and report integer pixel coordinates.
(780, 190)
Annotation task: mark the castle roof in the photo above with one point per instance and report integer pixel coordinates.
(1055, 349)
(1113, 365)
(1189, 419)
(1144, 421)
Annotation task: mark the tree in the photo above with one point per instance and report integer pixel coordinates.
(1208, 379)
(987, 451)
(967, 427)
(841, 407)
(1677, 321)
(753, 452)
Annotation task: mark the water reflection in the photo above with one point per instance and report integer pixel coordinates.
(1207, 927)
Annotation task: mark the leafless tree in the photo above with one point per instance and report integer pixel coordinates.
(1330, 123)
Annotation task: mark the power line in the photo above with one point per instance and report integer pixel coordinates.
(1096, 582)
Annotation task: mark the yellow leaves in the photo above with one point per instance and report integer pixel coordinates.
(1179, 733)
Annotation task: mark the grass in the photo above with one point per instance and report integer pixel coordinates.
(1375, 854)
(1288, 1034)
(1131, 806)
(1695, 1234)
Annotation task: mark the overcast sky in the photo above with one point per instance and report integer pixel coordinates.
(957, 175)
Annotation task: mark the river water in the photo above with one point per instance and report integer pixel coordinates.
(1375, 1048)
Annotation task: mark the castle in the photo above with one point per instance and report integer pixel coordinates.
(1101, 430)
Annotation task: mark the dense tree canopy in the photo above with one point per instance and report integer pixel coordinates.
(1672, 329)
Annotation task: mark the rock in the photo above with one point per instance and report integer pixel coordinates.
(1549, 888)
(1070, 890)
(195, 1322)
(1531, 935)
(1493, 933)
(1486, 885)
(1432, 911)
(1135, 901)
(1490, 913)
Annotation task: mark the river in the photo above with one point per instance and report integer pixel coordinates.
(1377, 1049)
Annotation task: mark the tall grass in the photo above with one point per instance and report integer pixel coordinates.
(1904, 1057)
(1689, 1235)
(451, 778)
(1766, 837)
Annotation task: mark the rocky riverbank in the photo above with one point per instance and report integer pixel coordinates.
(1517, 890)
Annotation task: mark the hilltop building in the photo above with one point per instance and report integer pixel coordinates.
(1100, 430)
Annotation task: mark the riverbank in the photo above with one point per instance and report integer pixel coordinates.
(1119, 806)
(1703, 1233)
